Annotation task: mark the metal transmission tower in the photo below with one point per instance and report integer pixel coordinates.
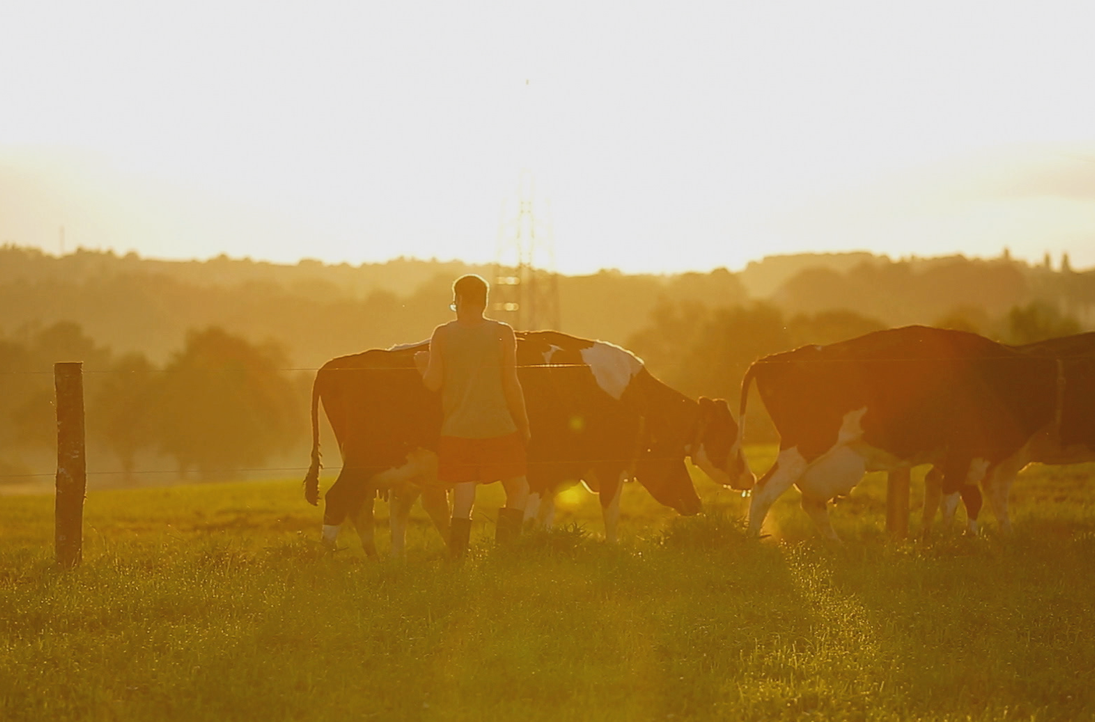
(525, 290)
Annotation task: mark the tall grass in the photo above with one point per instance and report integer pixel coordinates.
(213, 602)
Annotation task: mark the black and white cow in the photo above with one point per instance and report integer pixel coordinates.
(889, 400)
(1068, 439)
(597, 416)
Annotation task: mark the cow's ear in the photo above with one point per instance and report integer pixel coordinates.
(705, 403)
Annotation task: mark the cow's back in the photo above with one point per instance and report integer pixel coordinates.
(574, 421)
(378, 406)
(921, 391)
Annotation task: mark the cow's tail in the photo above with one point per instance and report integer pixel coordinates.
(741, 476)
(746, 382)
(311, 481)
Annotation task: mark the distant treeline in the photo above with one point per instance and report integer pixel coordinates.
(316, 311)
(207, 365)
(217, 406)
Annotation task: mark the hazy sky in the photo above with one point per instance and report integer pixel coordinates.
(660, 136)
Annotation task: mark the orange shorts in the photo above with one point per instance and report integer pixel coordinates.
(483, 460)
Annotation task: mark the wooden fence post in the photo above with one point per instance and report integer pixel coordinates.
(897, 503)
(71, 463)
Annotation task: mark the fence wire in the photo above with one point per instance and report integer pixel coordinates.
(1086, 355)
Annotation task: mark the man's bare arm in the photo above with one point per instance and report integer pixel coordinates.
(433, 371)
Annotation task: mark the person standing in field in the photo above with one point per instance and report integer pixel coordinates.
(472, 361)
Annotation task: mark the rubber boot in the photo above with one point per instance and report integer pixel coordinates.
(459, 533)
(509, 525)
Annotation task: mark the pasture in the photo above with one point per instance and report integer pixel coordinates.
(213, 602)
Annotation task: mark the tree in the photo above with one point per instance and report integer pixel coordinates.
(32, 409)
(17, 383)
(225, 404)
(1037, 321)
(123, 410)
(718, 289)
(830, 326)
(965, 318)
(20, 391)
(702, 351)
(670, 332)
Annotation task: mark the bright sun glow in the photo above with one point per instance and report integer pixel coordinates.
(571, 498)
(684, 136)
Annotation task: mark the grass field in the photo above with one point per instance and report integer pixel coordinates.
(211, 602)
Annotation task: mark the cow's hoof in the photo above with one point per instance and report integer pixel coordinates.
(322, 547)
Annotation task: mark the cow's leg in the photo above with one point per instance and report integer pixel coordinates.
(970, 496)
(532, 508)
(950, 505)
(329, 535)
(363, 522)
(953, 474)
(998, 487)
(789, 466)
(435, 500)
(933, 494)
(402, 498)
(343, 499)
(971, 499)
(419, 465)
(936, 496)
(960, 481)
(818, 510)
(545, 516)
(612, 490)
(833, 474)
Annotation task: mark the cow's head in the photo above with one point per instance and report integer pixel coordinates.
(715, 446)
(713, 438)
(661, 469)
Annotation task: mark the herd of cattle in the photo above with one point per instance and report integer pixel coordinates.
(977, 411)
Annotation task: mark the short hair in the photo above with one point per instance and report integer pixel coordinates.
(471, 288)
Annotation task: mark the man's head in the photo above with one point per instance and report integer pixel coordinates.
(470, 290)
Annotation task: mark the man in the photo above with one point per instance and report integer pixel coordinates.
(472, 361)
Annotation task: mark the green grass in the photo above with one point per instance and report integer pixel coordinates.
(213, 602)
